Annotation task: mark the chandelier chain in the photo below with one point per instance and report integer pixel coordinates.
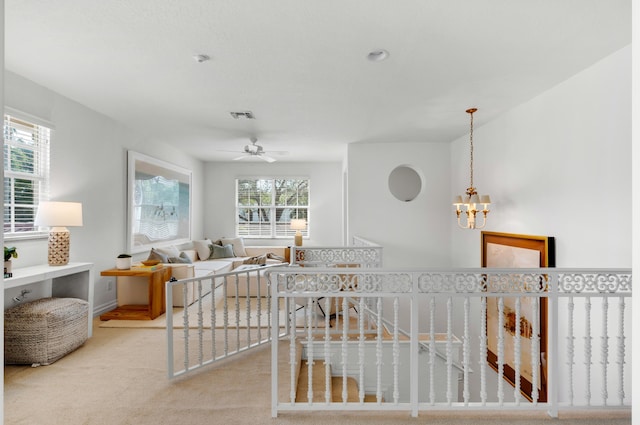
(471, 149)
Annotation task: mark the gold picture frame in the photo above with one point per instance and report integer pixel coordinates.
(508, 250)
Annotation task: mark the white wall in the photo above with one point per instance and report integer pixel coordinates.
(88, 165)
(326, 198)
(413, 233)
(558, 165)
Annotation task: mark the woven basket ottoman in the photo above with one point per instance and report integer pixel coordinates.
(43, 331)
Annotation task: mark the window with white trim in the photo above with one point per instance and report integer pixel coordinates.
(26, 175)
(266, 206)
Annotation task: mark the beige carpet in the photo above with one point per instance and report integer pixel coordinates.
(235, 320)
(237, 316)
(119, 377)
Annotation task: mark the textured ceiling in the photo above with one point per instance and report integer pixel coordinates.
(301, 67)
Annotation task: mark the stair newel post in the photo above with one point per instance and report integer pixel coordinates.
(310, 353)
(396, 352)
(466, 353)
(483, 350)
(414, 348)
(621, 350)
(516, 352)
(379, 350)
(570, 348)
(361, 348)
(345, 348)
(449, 349)
(327, 352)
(535, 350)
(432, 349)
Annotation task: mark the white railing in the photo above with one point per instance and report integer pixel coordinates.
(362, 253)
(473, 339)
(221, 322)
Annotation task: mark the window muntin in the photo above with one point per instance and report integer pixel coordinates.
(26, 175)
(265, 206)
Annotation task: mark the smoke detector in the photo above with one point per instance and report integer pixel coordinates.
(378, 55)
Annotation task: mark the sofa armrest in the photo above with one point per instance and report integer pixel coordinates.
(181, 270)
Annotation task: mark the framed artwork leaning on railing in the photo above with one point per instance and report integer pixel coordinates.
(523, 319)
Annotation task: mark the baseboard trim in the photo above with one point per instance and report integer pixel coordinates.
(100, 309)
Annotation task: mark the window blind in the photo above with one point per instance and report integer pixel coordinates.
(26, 174)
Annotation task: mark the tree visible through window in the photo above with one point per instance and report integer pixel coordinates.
(265, 207)
(26, 174)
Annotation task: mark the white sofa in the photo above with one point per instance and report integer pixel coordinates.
(132, 291)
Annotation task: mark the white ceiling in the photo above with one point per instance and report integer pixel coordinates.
(300, 65)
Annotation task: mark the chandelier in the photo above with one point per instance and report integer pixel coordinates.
(471, 201)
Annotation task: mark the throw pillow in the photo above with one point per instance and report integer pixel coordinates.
(169, 251)
(155, 254)
(202, 248)
(238, 246)
(225, 251)
(259, 259)
(182, 259)
(277, 257)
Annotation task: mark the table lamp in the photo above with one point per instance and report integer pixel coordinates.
(57, 216)
(298, 224)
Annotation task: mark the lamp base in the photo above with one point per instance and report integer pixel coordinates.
(298, 239)
(59, 242)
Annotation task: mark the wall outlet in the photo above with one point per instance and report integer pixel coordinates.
(110, 285)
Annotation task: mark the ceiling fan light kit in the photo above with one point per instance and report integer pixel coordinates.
(255, 150)
(470, 201)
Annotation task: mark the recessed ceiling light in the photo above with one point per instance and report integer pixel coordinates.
(201, 58)
(378, 55)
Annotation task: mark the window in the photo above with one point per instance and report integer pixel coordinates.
(26, 174)
(265, 207)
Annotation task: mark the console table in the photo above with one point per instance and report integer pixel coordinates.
(73, 280)
(156, 300)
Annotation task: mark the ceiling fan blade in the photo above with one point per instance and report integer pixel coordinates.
(241, 157)
(266, 158)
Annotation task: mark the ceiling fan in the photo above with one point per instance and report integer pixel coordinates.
(255, 150)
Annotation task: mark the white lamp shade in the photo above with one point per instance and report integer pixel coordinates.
(475, 199)
(457, 200)
(298, 224)
(59, 214)
(485, 199)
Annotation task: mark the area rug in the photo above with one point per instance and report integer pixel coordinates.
(235, 313)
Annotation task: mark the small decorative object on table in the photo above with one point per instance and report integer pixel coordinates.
(8, 254)
(123, 262)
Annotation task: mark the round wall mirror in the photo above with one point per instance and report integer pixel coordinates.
(405, 183)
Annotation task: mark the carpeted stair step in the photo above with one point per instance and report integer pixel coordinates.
(352, 389)
(353, 394)
(318, 386)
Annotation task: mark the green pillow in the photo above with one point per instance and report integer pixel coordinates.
(183, 259)
(225, 251)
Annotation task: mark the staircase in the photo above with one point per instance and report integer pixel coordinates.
(318, 387)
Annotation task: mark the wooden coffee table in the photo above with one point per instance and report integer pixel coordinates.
(156, 305)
